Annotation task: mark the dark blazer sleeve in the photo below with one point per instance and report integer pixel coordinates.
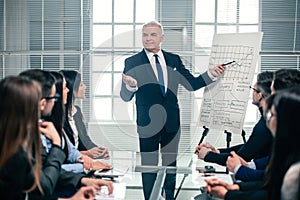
(247, 174)
(85, 142)
(248, 191)
(218, 158)
(261, 163)
(235, 148)
(132, 70)
(51, 168)
(69, 180)
(39, 197)
(248, 195)
(259, 143)
(15, 176)
(221, 158)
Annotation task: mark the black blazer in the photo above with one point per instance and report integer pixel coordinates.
(54, 178)
(85, 142)
(150, 103)
(258, 145)
(16, 176)
(248, 191)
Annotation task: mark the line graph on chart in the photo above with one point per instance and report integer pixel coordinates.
(225, 101)
(241, 55)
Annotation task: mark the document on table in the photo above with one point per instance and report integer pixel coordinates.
(199, 178)
(118, 193)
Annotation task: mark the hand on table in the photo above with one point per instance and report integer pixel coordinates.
(99, 152)
(98, 183)
(218, 188)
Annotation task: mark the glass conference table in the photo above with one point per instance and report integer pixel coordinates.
(128, 182)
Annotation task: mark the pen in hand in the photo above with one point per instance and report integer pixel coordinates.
(228, 63)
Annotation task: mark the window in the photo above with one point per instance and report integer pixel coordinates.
(116, 35)
(221, 16)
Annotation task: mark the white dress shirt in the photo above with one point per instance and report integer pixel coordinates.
(163, 64)
(73, 126)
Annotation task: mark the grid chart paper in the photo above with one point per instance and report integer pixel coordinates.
(225, 101)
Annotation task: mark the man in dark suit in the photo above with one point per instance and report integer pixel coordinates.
(153, 76)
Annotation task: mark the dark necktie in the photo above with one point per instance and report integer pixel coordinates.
(160, 75)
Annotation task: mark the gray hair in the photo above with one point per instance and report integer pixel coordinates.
(154, 23)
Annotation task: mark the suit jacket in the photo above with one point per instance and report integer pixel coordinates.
(85, 142)
(247, 174)
(248, 191)
(53, 177)
(16, 176)
(258, 145)
(247, 195)
(150, 103)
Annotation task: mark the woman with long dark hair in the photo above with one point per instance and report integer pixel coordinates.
(74, 120)
(75, 161)
(20, 144)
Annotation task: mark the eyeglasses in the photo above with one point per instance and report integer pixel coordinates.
(268, 115)
(256, 90)
(56, 97)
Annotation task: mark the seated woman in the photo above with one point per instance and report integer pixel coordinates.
(20, 155)
(74, 120)
(282, 120)
(55, 180)
(75, 161)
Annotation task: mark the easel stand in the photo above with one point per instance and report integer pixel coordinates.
(228, 140)
(243, 136)
(204, 133)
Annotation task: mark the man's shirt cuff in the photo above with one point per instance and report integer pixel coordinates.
(131, 89)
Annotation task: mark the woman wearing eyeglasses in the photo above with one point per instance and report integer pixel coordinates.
(75, 162)
(20, 155)
(282, 119)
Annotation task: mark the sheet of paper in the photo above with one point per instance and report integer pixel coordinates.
(225, 101)
(199, 178)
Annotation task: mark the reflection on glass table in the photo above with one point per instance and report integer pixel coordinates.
(128, 171)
